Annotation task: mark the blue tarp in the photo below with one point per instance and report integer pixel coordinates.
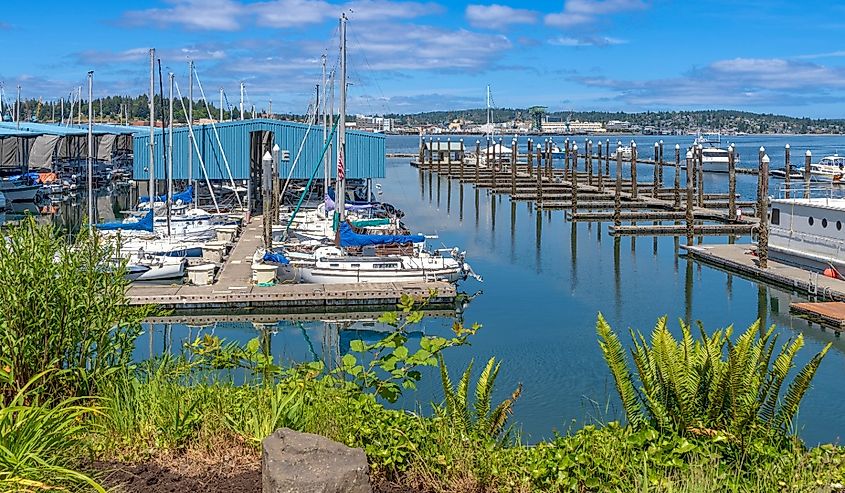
(186, 196)
(143, 224)
(349, 238)
(274, 257)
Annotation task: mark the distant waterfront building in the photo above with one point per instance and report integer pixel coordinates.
(550, 126)
(375, 124)
(618, 126)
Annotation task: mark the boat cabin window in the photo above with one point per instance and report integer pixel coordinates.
(810, 220)
(775, 216)
(356, 265)
(824, 222)
(838, 225)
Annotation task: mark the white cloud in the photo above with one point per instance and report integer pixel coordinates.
(497, 16)
(589, 41)
(577, 12)
(217, 15)
(734, 82)
(232, 15)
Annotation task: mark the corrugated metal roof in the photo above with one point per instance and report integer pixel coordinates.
(364, 151)
(44, 128)
(105, 128)
(11, 132)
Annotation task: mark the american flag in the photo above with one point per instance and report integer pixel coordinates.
(340, 167)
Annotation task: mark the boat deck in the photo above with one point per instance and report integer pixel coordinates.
(233, 288)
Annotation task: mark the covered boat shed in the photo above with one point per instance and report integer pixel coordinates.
(41, 145)
(242, 143)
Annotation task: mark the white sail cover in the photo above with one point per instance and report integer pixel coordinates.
(41, 154)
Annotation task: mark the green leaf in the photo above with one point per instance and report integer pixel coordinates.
(357, 345)
(348, 361)
(401, 352)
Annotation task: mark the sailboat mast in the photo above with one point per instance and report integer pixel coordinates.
(170, 156)
(90, 152)
(341, 136)
(190, 119)
(221, 106)
(152, 186)
(242, 101)
(325, 129)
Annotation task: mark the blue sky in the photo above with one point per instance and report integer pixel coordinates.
(779, 56)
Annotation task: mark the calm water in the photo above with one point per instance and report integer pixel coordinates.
(545, 280)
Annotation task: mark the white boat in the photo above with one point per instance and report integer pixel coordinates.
(831, 169)
(808, 232)
(145, 267)
(333, 266)
(714, 158)
(627, 152)
(166, 247)
(19, 189)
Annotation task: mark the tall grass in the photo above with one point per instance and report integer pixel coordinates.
(63, 307)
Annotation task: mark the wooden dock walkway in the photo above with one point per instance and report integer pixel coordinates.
(233, 288)
(830, 314)
(740, 259)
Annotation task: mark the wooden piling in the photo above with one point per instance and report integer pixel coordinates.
(808, 159)
(529, 156)
(760, 154)
(633, 170)
(430, 153)
(588, 160)
(677, 203)
(599, 166)
(690, 216)
(421, 160)
(787, 168)
(539, 181)
(654, 183)
(513, 167)
(617, 196)
(566, 159)
(607, 158)
(662, 163)
(700, 175)
(575, 177)
(763, 207)
(477, 159)
(732, 182)
(549, 160)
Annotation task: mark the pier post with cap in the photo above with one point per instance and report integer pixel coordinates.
(677, 203)
(700, 175)
(607, 158)
(690, 217)
(760, 154)
(787, 169)
(549, 160)
(588, 160)
(539, 179)
(566, 159)
(477, 160)
(808, 159)
(599, 162)
(662, 163)
(763, 207)
(513, 168)
(617, 196)
(421, 160)
(731, 182)
(530, 158)
(633, 170)
(575, 178)
(655, 182)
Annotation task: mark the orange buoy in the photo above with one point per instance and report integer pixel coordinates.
(830, 272)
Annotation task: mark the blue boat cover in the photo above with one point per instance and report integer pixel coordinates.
(143, 224)
(275, 257)
(349, 238)
(186, 196)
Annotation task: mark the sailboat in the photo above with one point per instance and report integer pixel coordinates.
(373, 258)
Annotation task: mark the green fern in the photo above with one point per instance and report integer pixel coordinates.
(710, 383)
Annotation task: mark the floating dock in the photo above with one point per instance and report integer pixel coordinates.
(830, 314)
(233, 288)
(740, 259)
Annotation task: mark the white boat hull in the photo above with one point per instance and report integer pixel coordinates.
(156, 269)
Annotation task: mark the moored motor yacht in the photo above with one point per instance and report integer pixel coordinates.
(808, 232)
(831, 169)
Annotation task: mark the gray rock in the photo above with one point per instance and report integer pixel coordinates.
(293, 462)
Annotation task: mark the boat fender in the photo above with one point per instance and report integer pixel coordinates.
(830, 272)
